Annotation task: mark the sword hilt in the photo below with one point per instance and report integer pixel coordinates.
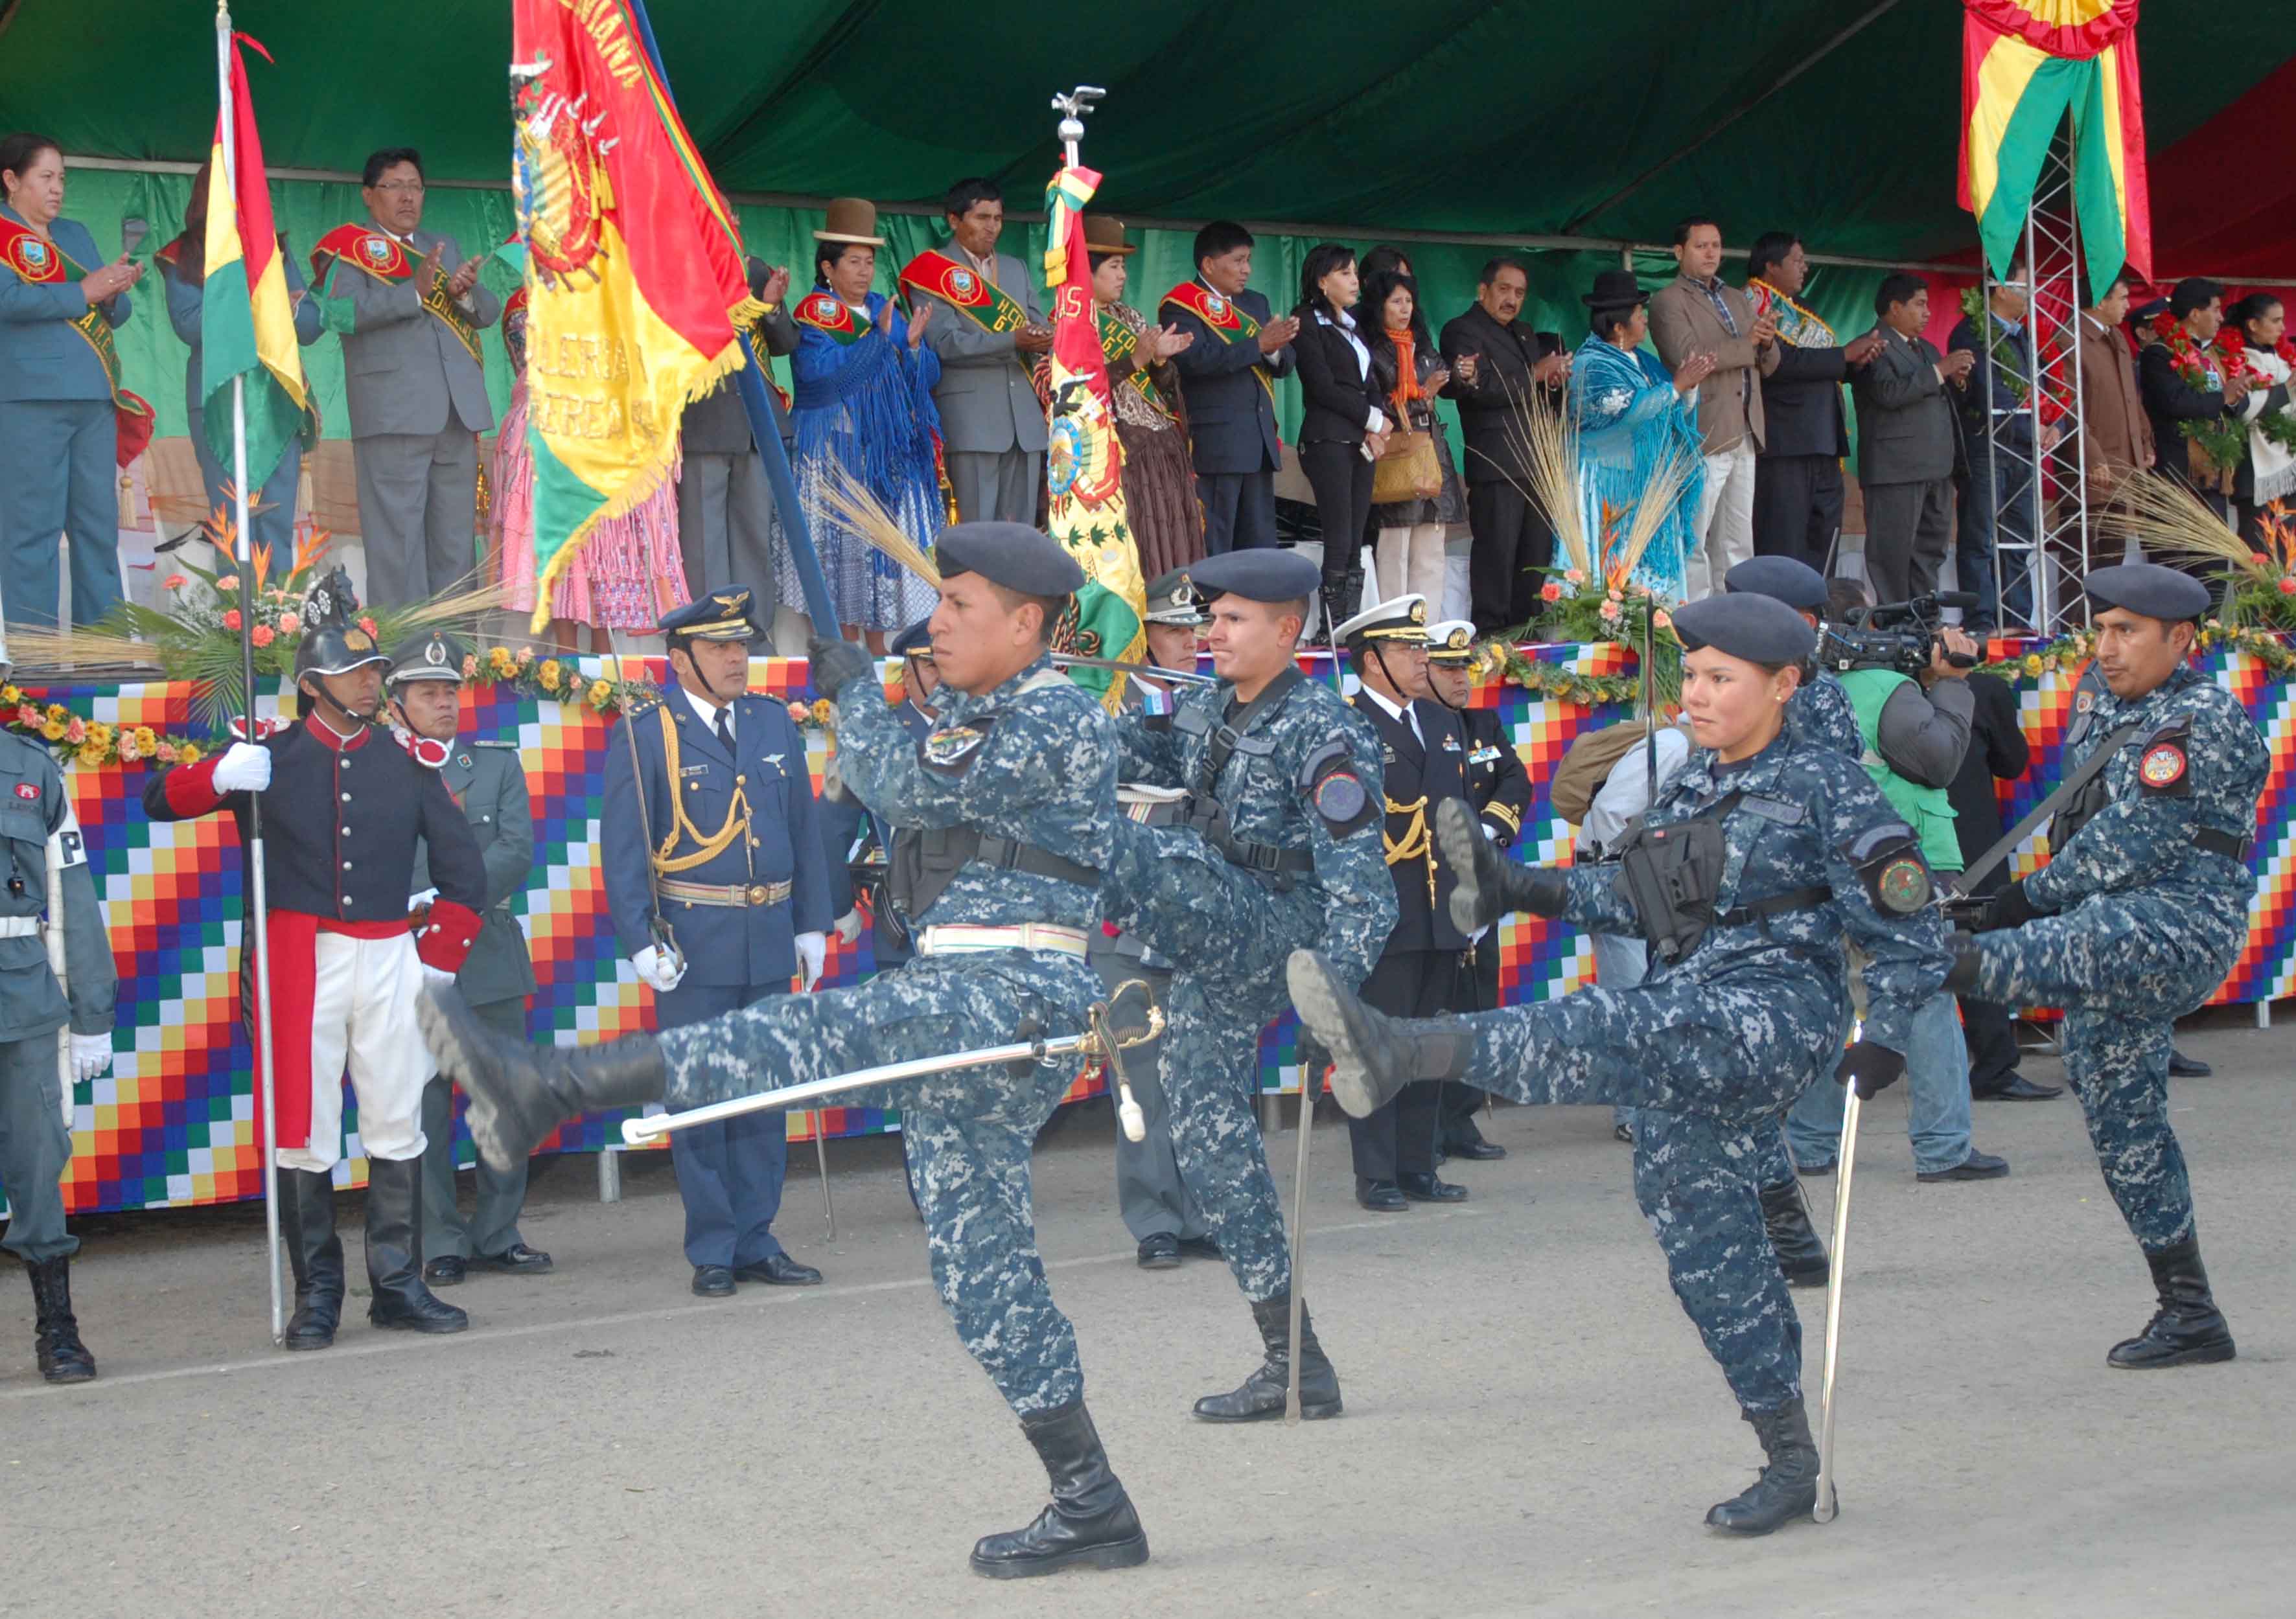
(1114, 1043)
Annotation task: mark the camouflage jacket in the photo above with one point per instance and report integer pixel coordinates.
(1820, 714)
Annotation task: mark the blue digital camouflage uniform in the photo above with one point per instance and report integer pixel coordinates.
(1033, 761)
(1231, 931)
(2147, 923)
(1710, 1049)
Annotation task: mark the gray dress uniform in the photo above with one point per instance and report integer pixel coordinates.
(725, 516)
(992, 424)
(489, 782)
(418, 402)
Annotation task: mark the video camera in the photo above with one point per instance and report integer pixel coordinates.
(1894, 635)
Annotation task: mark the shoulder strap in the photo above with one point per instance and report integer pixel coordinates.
(2049, 807)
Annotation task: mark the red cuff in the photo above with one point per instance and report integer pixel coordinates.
(448, 938)
(190, 788)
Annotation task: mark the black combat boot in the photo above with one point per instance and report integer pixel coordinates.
(1489, 885)
(63, 1358)
(2187, 1329)
(1090, 1523)
(394, 1252)
(1788, 1487)
(306, 1225)
(1262, 1397)
(519, 1092)
(1801, 1256)
(1373, 1056)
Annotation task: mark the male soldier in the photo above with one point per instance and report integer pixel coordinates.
(345, 807)
(725, 515)
(1416, 975)
(1498, 790)
(1278, 843)
(719, 893)
(1016, 792)
(425, 683)
(1820, 710)
(36, 1138)
(858, 850)
(2136, 919)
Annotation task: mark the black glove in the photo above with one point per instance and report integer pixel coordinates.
(2013, 907)
(1873, 1069)
(836, 660)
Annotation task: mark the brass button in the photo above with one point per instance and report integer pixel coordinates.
(740, 780)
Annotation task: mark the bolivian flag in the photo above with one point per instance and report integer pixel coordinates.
(246, 322)
(2025, 65)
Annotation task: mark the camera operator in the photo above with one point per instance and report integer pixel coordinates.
(1915, 731)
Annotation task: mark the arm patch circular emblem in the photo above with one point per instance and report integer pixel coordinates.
(1339, 797)
(1903, 886)
(2163, 767)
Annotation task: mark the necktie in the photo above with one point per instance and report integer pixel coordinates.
(725, 730)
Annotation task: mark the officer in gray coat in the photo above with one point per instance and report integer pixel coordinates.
(409, 308)
(489, 784)
(725, 516)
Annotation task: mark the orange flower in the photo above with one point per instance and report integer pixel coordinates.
(261, 635)
(231, 620)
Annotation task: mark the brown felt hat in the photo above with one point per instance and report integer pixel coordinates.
(1103, 235)
(850, 219)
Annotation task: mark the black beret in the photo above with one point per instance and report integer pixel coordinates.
(1760, 629)
(916, 641)
(1011, 554)
(1798, 584)
(433, 654)
(2149, 589)
(1261, 574)
(1172, 599)
(716, 614)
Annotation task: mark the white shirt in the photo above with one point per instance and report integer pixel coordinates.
(707, 710)
(1405, 712)
(1346, 327)
(1625, 792)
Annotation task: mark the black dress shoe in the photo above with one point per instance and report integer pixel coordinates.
(1201, 1248)
(2181, 1067)
(1420, 1186)
(1381, 1196)
(1977, 1167)
(447, 1271)
(780, 1271)
(516, 1260)
(713, 1281)
(2017, 1088)
(1159, 1251)
(1474, 1148)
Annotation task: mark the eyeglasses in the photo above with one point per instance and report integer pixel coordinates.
(413, 188)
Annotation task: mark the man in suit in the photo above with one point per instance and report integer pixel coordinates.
(1999, 511)
(1417, 973)
(1694, 313)
(992, 423)
(2198, 391)
(2117, 435)
(1797, 492)
(409, 308)
(720, 895)
(1499, 369)
(725, 515)
(1227, 381)
(425, 683)
(1905, 444)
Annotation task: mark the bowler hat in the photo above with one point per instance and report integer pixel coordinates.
(1103, 235)
(850, 219)
(1615, 290)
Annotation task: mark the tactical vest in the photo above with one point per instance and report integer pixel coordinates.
(1672, 875)
(1202, 809)
(1928, 810)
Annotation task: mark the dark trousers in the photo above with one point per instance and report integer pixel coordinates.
(1797, 507)
(1998, 506)
(729, 1175)
(1908, 528)
(1399, 1137)
(1475, 989)
(493, 1229)
(1341, 478)
(1510, 539)
(1990, 1033)
(1239, 509)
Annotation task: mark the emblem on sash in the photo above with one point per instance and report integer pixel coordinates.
(824, 309)
(960, 281)
(36, 254)
(1215, 304)
(377, 248)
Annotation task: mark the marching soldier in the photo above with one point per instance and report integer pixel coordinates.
(719, 893)
(1498, 790)
(1015, 792)
(345, 807)
(2141, 912)
(425, 683)
(36, 1137)
(1820, 708)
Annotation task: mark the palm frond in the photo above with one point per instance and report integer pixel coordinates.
(844, 499)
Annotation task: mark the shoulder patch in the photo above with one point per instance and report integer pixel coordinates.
(29, 791)
(1889, 859)
(1334, 789)
(2163, 769)
(951, 749)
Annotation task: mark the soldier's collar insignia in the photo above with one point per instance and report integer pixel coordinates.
(464, 760)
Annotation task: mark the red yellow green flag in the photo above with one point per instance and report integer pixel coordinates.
(634, 267)
(1084, 467)
(2025, 65)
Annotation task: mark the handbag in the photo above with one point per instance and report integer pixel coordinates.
(1409, 469)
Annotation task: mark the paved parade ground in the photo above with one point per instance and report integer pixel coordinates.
(1531, 1427)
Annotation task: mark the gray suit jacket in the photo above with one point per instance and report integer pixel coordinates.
(402, 368)
(41, 356)
(489, 784)
(1905, 421)
(987, 404)
(715, 424)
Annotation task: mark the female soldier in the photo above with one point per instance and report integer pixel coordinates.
(1758, 857)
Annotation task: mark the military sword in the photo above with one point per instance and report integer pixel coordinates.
(1827, 1504)
(1077, 660)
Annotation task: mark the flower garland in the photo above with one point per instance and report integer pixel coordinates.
(1581, 612)
(91, 744)
(1557, 683)
(2232, 350)
(2075, 648)
(2218, 441)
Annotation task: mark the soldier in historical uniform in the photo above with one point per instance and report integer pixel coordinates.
(425, 683)
(1277, 846)
(1758, 862)
(1015, 794)
(345, 807)
(719, 891)
(2141, 912)
(36, 1138)
(1498, 790)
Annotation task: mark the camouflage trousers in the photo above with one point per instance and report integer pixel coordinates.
(2124, 967)
(967, 1134)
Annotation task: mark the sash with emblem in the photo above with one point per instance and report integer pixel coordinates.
(386, 258)
(1118, 342)
(971, 294)
(35, 260)
(830, 315)
(1228, 322)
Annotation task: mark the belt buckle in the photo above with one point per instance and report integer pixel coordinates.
(755, 894)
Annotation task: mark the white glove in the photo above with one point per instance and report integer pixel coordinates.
(658, 968)
(91, 1055)
(848, 926)
(812, 956)
(416, 902)
(436, 975)
(244, 768)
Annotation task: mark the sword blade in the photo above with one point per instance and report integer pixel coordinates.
(1077, 660)
(1311, 1086)
(1846, 1164)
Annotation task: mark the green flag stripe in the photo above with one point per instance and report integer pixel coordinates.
(227, 351)
(2024, 146)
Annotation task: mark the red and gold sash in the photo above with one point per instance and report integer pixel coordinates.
(1119, 341)
(988, 305)
(831, 316)
(1220, 313)
(386, 258)
(35, 260)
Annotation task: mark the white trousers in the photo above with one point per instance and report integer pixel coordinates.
(362, 1013)
(1726, 520)
(1409, 562)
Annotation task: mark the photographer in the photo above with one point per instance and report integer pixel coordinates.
(1915, 731)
